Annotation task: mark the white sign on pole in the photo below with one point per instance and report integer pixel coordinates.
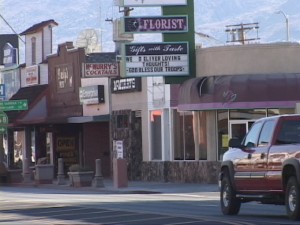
(156, 59)
(141, 3)
(2, 90)
(119, 149)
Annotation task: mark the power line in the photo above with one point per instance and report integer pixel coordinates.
(12, 28)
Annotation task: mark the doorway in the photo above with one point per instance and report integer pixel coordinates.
(239, 128)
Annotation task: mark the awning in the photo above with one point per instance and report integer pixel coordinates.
(37, 108)
(89, 119)
(240, 92)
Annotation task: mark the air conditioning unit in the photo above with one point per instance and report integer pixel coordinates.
(119, 2)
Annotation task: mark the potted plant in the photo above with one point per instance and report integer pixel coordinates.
(43, 171)
(80, 176)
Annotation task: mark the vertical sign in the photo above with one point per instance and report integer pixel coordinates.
(188, 36)
(2, 90)
(118, 149)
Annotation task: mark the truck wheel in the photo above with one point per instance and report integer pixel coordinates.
(292, 199)
(230, 204)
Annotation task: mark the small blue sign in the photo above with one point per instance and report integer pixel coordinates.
(9, 55)
(2, 90)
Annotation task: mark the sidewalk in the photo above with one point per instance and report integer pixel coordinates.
(143, 187)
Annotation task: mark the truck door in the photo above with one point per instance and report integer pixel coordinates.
(259, 157)
(243, 167)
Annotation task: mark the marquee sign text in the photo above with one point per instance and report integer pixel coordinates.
(157, 59)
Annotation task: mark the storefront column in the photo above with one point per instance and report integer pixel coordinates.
(27, 155)
(10, 148)
(211, 136)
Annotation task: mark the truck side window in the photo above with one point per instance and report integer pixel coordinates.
(266, 133)
(252, 136)
(289, 132)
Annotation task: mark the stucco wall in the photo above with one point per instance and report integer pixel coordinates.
(248, 59)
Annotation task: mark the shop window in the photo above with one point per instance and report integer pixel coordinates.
(122, 121)
(247, 114)
(223, 136)
(17, 162)
(33, 51)
(274, 112)
(184, 144)
(156, 140)
(202, 136)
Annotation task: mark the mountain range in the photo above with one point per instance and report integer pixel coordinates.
(211, 19)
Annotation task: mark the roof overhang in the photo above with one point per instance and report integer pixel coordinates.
(240, 92)
(88, 119)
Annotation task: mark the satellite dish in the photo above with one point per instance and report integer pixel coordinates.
(88, 39)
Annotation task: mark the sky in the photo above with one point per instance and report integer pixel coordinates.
(211, 18)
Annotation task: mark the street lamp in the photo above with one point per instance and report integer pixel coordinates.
(287, 24)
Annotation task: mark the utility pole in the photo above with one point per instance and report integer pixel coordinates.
(238, 32)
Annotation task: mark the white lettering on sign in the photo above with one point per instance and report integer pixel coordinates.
(157, 59)
(2, 90)
(32, 75)
(162, 24)
(157, 65)
(64, 78)
(101, 69)
(89, 95)
(137, 49)
(124, 84)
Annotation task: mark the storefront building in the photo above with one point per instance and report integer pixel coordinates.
(27, 134)
(186, 127)
(236, 85)
(68, 112)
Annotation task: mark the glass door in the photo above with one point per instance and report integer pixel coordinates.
(239, 128)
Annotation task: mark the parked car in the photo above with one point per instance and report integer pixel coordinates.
(264, 166)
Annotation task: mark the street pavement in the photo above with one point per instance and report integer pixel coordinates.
(141, 202)
(142, 187)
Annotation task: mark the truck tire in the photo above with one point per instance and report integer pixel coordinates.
(292, 199)
(230, 204)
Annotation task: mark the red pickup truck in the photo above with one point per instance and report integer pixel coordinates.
(264, 166)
